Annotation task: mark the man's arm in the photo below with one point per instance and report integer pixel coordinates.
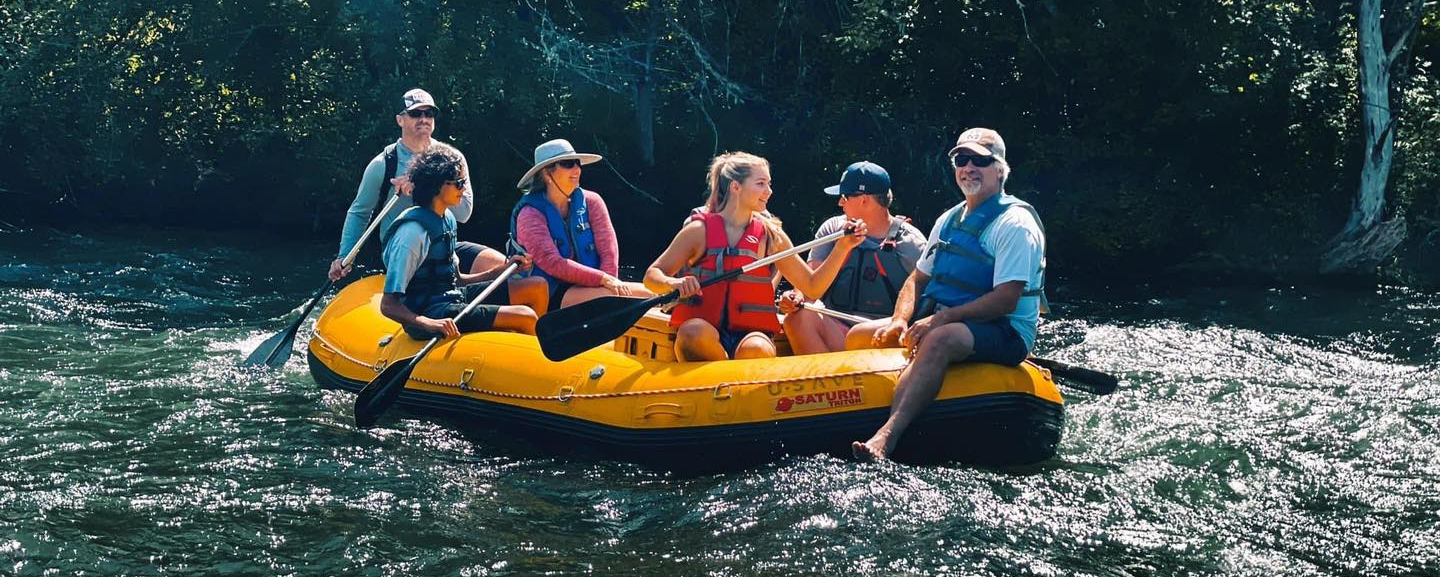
(909, 293)
(367, 197)
(904, 309)
(393, 309)
(403, 255)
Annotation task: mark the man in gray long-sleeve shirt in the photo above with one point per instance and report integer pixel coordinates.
(417, 126)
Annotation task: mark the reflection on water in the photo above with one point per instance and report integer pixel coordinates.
(1286, 431)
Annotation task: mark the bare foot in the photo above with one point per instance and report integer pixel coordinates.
(865, 452)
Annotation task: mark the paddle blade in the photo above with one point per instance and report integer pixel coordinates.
(1092, 381)
(381, 392)
(567, 332)
(275, 350)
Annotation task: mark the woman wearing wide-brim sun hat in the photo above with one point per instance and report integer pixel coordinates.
(566, 230)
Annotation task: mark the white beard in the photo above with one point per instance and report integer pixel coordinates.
(969, 187)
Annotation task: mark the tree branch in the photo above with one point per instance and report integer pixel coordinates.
(1403, 42)
(1025, 23)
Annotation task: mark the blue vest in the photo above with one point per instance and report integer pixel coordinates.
(574, 237)
(963, 271)
(870, 279)
(435, 282)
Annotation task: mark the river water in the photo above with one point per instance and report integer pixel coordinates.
(1257, 431)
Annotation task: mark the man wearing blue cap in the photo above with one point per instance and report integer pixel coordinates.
(872, 276)
(417, 119)
(984, 268)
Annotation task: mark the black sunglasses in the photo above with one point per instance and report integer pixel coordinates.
(960, 160)
(426, 112)
(459, 183)
(568, 163)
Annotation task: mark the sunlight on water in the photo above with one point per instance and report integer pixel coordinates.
(1277, 431)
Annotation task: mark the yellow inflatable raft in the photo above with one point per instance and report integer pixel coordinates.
(633, 401)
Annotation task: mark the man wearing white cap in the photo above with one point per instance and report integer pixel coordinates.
(870, 281)
(984, 268)
(386, 171)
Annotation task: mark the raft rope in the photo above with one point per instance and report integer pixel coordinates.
(718, 389)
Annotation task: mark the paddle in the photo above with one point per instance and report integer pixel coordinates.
(381, 392)
(276, 350)
(1091, 381)
(572, 330)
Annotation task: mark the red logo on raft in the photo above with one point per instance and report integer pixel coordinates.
(825, 400)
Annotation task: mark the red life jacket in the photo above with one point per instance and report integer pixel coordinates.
(746, 302)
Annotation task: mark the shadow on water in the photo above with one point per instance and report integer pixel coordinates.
(1258, 431)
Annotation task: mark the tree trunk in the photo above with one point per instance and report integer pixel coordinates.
(1358, 247)
(1379, 134)
(645, 93)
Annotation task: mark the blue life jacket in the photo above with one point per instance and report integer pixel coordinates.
(574, 237)
(870, 280)
(436, 282)
(963, 270)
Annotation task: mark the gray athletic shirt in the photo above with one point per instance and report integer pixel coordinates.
(909, 247)
(367, 199)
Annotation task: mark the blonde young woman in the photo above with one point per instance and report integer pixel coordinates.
(736, 318)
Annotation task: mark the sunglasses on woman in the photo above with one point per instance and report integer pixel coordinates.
(568, 163)
(459, 183)
(960, 160)
(426, 112)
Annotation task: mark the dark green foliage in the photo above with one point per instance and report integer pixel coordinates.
(1148, 134)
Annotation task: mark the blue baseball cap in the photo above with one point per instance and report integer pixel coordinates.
(863, 177)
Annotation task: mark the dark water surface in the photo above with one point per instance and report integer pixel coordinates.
(1258, 431)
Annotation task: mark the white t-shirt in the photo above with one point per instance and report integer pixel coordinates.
(1018, 245)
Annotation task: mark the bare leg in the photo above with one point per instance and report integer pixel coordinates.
(918, 386)
(810, 333)
(755, 345)
(533, 292)
(860, 336)
(580, 294)
(487, 259)
(516, 318)
(697, 340)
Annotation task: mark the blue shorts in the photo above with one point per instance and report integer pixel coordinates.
(481, 318)
(996, 342)
(730, 340)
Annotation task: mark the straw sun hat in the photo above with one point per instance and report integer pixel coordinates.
(552, 152)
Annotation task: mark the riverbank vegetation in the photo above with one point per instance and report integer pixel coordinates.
(1215, 138)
